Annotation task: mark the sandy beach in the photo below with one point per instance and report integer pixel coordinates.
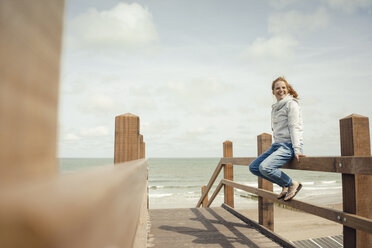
(296, 225)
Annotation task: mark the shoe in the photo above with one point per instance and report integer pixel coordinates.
(293, 190)
(283, 193)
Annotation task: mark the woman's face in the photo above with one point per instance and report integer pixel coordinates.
(280, 90)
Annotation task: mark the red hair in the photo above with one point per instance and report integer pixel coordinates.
(289, 87)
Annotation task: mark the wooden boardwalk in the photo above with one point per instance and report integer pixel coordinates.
(203, 227)
(219, 227)
(326, 242)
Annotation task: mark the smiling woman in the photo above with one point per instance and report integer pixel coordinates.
(281, 88)
(286, 123)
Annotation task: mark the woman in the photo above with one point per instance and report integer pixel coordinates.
(286, 123)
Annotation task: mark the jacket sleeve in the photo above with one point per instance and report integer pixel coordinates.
(295, 125)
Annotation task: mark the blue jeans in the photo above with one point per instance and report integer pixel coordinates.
(268, 163)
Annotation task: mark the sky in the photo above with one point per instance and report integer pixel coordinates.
(198, 73)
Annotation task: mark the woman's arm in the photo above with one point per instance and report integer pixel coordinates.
(295, 127)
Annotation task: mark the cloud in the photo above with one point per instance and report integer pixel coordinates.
(212, 109)
(143, 104)
(71, 137)
(198, 131)
(296, 23)
(75, 87)
(282, 3)
(285, 27)
(158, 128)
(277, 47)
(349, 6)
(196, 90)
(125, 25)
(94, 131)
(98, 103)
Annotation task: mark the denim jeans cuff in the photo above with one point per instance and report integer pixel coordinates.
(290, 182)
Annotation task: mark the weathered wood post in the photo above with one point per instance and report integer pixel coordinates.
(129, 143)
(228, 174)
(142, 147)
(129, 146)
(357, 199)
(30, 48)
(127, 138)
(265, 207)
(205, 201)
(142, 154)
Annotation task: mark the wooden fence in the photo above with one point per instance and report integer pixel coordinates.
(355, 165)
(101, 207)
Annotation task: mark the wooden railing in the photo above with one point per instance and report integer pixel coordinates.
(101, 207)
(356, 170)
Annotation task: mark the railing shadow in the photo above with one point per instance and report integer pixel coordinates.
(211, 234)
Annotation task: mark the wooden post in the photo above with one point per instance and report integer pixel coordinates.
(142, 147)
(205, 201)
(228, 174)
(143, 150)
(30, 48)
(355, 141)
(142, 155)
(265, 207)
(127, 141)
(140, 140)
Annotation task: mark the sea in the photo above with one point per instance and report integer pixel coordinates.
(177, 182)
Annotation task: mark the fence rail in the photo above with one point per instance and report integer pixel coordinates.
(340, 164)
(350, 220)
(84, 209)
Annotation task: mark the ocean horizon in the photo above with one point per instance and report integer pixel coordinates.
(177, 182)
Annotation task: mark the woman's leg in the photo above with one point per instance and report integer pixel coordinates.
(255, 165)
(269, 167)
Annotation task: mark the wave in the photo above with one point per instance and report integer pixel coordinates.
(157, 187)
(328, 182)
(159, 195)
(174, 186)
(307, 183)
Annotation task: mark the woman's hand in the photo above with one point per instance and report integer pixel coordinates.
(298, 156)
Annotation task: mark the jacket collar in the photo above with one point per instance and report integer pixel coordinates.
(279, 104)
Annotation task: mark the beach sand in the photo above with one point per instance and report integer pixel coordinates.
(296, 225)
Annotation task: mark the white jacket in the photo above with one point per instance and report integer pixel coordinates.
(286, 122)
